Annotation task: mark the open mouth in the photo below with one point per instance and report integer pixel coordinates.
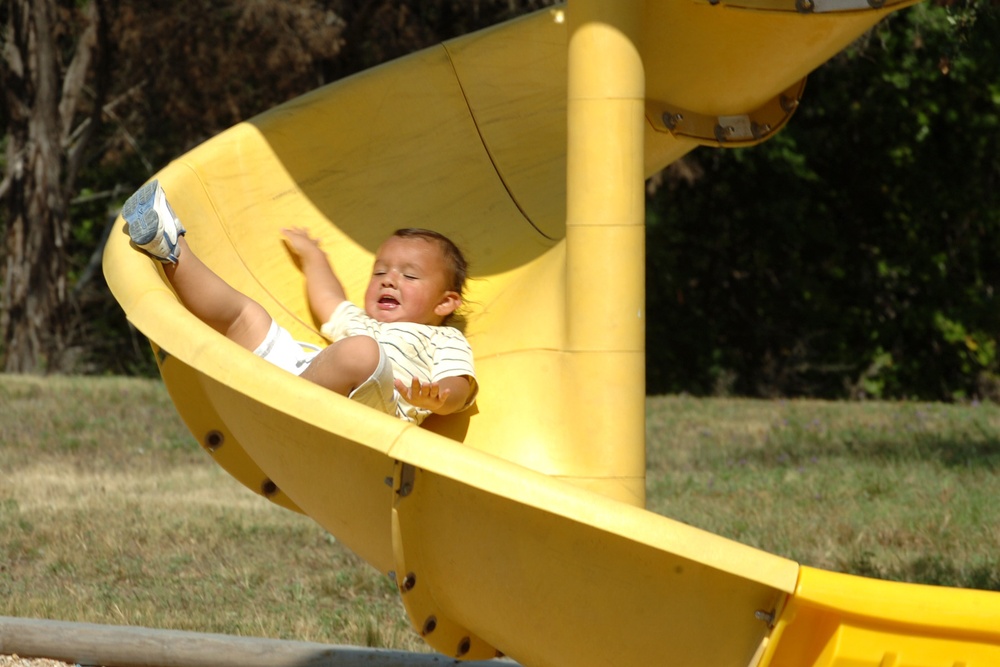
(388, 301)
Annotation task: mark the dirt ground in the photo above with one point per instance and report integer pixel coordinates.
(15, 661)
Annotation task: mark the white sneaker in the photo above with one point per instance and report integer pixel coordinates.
(152, 224)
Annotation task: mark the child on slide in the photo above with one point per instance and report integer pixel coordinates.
(397, 355)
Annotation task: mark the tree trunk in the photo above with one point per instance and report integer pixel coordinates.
(41, 166)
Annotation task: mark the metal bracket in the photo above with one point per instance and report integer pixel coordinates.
(407, 478)
(745, 129)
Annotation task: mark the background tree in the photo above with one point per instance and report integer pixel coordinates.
(48, 52)
(172, 75)
(854, 254)
(381, 30)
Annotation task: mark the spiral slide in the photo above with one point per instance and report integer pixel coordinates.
(518, 528)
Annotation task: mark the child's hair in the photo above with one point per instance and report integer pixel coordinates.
(453, 257)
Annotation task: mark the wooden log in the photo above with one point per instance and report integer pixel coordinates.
(127, 646)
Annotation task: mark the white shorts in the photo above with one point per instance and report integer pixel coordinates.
(280, 349)
(285, 352)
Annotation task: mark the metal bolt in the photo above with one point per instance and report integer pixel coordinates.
(766, 616)
(788, 104)
(671, 119)
(760, 131)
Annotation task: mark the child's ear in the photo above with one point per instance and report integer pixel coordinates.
(450, 302)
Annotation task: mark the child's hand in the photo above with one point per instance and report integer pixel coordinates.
(299, 241)
(428, 396)
(323, 288)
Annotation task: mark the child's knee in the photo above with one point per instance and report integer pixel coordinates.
(360, 352)
(345, 364)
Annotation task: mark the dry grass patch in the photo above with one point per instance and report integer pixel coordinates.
(110, 512)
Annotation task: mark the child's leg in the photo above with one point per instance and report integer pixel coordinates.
(344, 365)
(154, 228)
(214, 301)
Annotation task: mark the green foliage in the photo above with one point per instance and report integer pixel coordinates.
(855, 253)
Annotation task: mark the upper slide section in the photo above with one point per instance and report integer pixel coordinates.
(470, 138)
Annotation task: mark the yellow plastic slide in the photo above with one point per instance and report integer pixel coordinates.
(519, 528)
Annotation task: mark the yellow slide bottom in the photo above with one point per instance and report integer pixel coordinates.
(517, 527)
(837, 620)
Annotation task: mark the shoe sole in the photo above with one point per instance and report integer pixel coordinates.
(143, 221)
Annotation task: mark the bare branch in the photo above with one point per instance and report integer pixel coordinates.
(130, 138)
(76, 73)
(92, 52)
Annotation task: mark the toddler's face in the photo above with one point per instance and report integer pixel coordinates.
(410, 283)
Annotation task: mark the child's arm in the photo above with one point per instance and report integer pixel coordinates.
(443, 397)
(323, 288)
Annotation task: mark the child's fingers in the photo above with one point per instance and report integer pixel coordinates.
(430, 393)
(294, 234)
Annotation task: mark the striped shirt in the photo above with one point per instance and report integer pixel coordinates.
(426, 352)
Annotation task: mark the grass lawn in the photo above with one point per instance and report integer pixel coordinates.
(111, 513)
(902, 491)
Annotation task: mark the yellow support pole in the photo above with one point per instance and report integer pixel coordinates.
(605, 245)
